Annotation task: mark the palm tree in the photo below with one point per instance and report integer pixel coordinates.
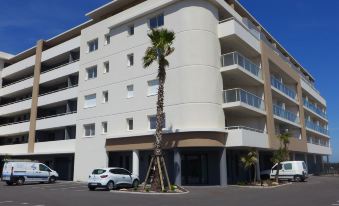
(162, 41)
(249, 161)
(282, 154)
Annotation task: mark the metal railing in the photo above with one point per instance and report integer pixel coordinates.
(283, 88)
(311, 125)
(318, 141)
(57, 67)
(20, 80)
(43, 94)
(240, 95)
(236, 58)
(314, 108)
(281, 112)
(245, 128)
(40, 118)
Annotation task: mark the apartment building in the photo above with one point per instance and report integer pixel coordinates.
(83, 100)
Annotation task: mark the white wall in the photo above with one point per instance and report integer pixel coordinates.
(192, 92)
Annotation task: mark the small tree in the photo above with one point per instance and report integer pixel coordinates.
(282, 154)
(249, 161)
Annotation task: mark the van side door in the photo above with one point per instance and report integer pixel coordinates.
(288, 170)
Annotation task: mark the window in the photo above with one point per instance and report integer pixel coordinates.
(44, 168)
(104, 96)
(156, 21)
(104, 127)
(131, 30)
(98, 171)
(92, 45)
(89, 130)
(130, 60)
(130, 124)
(153, 122)
(91, 72)
(130, 91)
(107, 39)
(288, 166)
(106, 67)
(90, 101)
(153, 86)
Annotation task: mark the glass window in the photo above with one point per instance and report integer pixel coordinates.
(90, 101)
(114, 171)
(153, 122)
(304, 166)
(130, 91)
(98, 171)
(44, 168)
(106, 67)
(104, 127)
(156, 21)
(107, 39)
(104, 96)
(124, 172)
(153, 86)
(131, 30)
(130, 60)
(130, 124)
(89, 130)
(91, 72)
(92, 45)
(288, 166)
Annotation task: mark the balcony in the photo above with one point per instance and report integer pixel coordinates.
(242, 101)
(14, 149)
(55, 147)
(14, 128)
(316, 148)
(285, 114)
(244, 64)
(314, 109)
(55, 121)
(242, 136)
(315, 127)
(276, 83)
(59, 95)
(17, 106)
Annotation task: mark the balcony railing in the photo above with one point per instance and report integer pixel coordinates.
(240, 95)
(283, 88)
(244, 128)
(57, 67)
(314, 108)
(236, 58)
(43, 94)
(316, 141)
(281, 112)
(316, 127)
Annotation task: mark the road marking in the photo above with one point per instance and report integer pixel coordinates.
(79, 190)
(335, 204)
(9, 201)
(24, 203)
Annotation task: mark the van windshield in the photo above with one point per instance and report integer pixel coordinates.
(98, 171)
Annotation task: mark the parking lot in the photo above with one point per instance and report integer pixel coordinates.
(317, 191)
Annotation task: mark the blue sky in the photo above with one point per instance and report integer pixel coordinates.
(309, 30)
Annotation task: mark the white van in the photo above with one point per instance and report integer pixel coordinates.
(290, 170)
(19, 172)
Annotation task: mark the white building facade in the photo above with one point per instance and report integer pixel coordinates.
(83, 100)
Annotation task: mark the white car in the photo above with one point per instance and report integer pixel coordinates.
(111, 178)
(19, 172)
(290, 170)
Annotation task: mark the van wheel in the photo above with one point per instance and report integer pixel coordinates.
(91, 188)
(52, 180)
(9, 183)
(20, 181)
(297, 178)
(110, 186)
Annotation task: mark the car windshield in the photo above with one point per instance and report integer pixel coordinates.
(98, 171)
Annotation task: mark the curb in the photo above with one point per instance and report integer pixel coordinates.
(261, 187)
(150, 193)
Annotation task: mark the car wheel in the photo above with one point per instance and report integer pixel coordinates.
(91, 188)
(9, 183)
(20, 181)
(52, 180)
(135, 183)
(297, 178)
(110, 186)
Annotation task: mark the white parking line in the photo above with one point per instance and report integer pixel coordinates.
(24, 203)
(9, 201)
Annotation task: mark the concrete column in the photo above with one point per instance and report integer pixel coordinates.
(293, 156)
(223, 168)
(177, 167)
(315, 159)
(135, 162)
(257, 167)
(306, 159)
(327, 159)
